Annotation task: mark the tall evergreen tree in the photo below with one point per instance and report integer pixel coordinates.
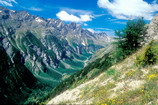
(132, 37)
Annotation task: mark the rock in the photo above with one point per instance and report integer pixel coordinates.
(152, 31)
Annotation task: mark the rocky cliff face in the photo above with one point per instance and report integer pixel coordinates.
(51, 49)
(152, 32)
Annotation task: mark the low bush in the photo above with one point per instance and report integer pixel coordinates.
(150, 56)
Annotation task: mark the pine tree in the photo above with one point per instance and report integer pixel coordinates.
(131, 38)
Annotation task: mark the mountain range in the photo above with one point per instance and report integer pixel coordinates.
(38, 52)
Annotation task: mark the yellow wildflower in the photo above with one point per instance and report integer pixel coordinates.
(152, 76)
(104, 104)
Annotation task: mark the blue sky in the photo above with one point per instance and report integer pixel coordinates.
(95, 15)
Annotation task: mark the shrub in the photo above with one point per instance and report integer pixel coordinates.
(111, 72)
(150, 56)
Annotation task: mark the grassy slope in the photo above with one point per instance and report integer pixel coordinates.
(124, 83)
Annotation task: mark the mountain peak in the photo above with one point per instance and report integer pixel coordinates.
(74, 25)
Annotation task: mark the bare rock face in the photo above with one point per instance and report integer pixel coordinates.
(152, 31)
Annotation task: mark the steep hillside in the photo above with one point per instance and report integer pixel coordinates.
(115, 80)
(101, 52)
(132, 81)
(15, 79)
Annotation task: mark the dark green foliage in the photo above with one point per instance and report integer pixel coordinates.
(17, 83)
(150, 56)
(15, 79)
(52, 39)
(111, 72)
(38, 92)
(32, 39)
(152, 53)
(132, 37)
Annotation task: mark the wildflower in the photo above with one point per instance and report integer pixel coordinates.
(152, 76)
(103, 104)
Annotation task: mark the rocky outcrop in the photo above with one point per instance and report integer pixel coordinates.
(152, 31)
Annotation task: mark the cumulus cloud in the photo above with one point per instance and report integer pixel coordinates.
(8, 2)
(65, 16)
(129, 9)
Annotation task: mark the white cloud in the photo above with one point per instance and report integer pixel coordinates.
(76, 15)
(129, 9)
(85, 18)
(8, 2)
(63, 15)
